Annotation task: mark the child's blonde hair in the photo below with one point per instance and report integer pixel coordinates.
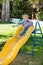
(25, 15)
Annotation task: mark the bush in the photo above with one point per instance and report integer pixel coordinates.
(39, 15)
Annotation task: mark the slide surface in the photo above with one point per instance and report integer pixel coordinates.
(13, 45)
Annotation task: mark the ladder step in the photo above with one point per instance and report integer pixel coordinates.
(39, 44)
(38, 29)
(38, 41)
(38, 33)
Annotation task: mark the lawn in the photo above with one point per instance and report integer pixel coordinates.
(7, 30)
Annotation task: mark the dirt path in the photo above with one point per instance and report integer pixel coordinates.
(25, 60)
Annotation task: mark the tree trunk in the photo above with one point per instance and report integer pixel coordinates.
(7, 10)
(3, 11)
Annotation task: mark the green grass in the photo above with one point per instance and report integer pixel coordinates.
(7, 30)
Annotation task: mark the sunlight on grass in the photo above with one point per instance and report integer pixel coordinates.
(6, 29)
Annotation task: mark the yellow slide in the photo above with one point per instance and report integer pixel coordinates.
(13, 45)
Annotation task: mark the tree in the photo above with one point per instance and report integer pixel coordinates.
(15, 8)
(3, 10)
(6, 10)
(19, 7)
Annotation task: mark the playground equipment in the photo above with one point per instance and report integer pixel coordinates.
(13, 45)
(35, 32)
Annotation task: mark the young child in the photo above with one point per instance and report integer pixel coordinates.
(27, 23)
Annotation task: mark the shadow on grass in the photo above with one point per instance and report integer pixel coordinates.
(2, 45)
(5, 36)
(5, 22)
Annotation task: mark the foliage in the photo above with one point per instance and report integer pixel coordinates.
(39, 15)
(19, 7)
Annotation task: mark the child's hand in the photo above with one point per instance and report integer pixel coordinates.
(18, 36)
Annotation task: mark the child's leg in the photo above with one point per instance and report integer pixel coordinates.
(23, 32)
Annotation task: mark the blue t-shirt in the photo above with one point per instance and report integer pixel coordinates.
(27, 23)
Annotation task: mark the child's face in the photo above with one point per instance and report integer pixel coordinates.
(25, 18)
